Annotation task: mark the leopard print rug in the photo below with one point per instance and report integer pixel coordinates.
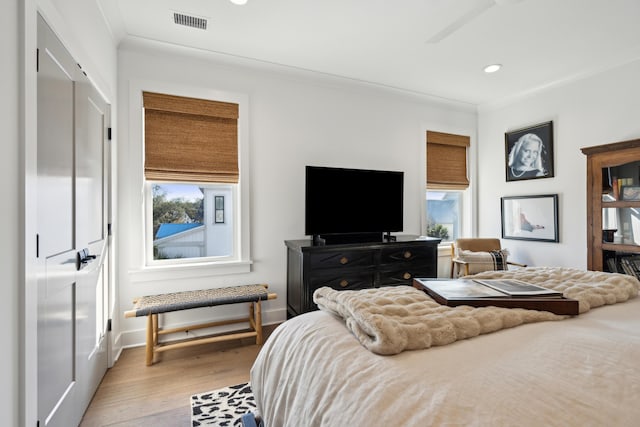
(223, 407)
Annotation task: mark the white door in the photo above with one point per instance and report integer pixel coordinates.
(72, 121)
(91, 145)
(91, 180)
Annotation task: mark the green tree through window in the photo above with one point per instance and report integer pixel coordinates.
(176, 210)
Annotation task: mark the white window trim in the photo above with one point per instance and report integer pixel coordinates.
(141, 270)
(189, 271)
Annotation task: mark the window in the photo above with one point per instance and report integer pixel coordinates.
(444, 210)
(191, 180)
(186, 222)
(446, 184)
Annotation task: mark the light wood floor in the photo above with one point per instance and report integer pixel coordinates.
(132, 394)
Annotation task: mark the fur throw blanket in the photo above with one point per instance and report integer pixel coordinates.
(390, 320)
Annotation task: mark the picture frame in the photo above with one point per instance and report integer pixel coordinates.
(529, 152)
(530, 218)
(219, 210)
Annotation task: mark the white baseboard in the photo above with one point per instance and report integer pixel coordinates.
(116, 350)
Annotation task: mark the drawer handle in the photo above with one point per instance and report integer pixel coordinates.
(344, 283)
(344, 260)
(407, 254)
(406, 276)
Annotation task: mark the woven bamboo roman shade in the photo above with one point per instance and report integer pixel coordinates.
(447, 161)
(189, 139)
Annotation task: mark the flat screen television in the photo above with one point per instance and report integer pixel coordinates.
(352, 205)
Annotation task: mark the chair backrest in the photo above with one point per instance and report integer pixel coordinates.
(474, 245)
(478, 244)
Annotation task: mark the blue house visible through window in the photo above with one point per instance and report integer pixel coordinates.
(184, 223)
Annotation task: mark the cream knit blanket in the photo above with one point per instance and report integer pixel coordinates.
(390, 320)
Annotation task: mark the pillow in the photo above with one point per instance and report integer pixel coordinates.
(482, 261)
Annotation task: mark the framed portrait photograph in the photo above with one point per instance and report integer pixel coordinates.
(530, 218)
(529, 152)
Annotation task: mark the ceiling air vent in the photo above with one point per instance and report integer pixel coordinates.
(189, 21)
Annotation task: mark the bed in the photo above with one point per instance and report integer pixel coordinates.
(552, 371)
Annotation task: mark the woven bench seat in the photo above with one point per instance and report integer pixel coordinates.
(152, 305)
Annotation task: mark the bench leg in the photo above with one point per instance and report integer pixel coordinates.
(152, 337)
(257, 315)
(155, 329)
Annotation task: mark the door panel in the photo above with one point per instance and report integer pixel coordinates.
(55, 149)
(91, 118)
(90, 159)
(72, 153)
(56, 283)
(91, 353)
(56, 336)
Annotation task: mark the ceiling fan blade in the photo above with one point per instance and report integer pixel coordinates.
(460, 22)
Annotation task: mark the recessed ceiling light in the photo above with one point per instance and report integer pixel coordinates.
(492, 68)
(240, 2)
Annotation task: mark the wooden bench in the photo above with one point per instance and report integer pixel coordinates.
(153, 305)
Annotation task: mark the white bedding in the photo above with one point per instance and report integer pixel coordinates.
(582, 371)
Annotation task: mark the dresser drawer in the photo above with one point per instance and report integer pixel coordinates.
(404, 274)
(349, 281)
(342, 259)
(411, 254)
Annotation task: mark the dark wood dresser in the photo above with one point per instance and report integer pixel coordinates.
(355, 266)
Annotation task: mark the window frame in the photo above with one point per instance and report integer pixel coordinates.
(143, 271)
(151, 262)
(461, 211)
(467, 221)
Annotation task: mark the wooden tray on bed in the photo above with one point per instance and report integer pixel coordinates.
(469, 292)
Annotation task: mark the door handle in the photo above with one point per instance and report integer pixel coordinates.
(83, 257)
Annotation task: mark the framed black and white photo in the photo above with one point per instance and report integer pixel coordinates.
(530, 218)
(529, 152)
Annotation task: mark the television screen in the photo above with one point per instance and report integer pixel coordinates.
(339, 201)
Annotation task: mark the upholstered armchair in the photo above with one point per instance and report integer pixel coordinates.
(474, 255)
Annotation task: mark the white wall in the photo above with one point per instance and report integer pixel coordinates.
(9, 226)
(596, 110)
(295, 119)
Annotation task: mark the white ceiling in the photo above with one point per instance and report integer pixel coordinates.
(392, 42)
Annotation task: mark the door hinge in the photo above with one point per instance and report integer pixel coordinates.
(109, 134)
(109, 325)
(83, 72)
(37, 60)
(109, 229)
(37, 245)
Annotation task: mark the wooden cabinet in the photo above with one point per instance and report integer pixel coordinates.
(354, 266)
(613, 206)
